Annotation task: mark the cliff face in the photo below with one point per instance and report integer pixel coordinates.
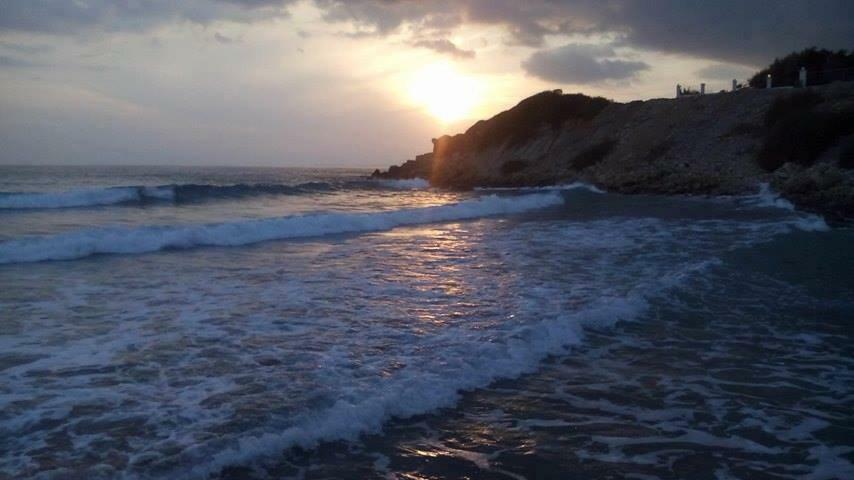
(710, 144)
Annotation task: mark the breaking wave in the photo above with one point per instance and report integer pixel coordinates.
(407, 184)
(570, 186)
(83, 243)
(88, 197)
(185, 193)
(768, 198)
(468, 365)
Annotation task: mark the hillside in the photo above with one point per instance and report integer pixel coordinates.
(799, 140)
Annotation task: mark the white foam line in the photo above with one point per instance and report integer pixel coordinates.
(569, 186)
(421, 392)
(406, 184)
(84, 243)
(83, 197)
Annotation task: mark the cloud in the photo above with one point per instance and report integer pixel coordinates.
(579, 63)
(444, 46)
(222, 38)
(255, 3)
(7, 61)
(725, 71)
(380, 17)
(69, 17)
(25, 48)
(750, 32)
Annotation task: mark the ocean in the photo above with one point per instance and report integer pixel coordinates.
(165, 322)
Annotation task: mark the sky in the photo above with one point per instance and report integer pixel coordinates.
(358, 83)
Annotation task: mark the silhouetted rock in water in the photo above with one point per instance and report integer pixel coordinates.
(720, 144)
(421, 167)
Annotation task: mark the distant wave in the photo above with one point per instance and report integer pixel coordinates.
(570, 186)
(94, 197)
(407, 184)
(84, 243)
(84, 197)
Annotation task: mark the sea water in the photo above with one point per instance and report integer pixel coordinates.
(276, 323)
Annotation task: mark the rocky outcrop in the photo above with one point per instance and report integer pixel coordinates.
(421, 167)
(703, 144)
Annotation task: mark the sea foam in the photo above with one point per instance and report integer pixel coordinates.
(415, 392)
(188, 192)
(768, 198)
(96, 197)
(405, 184)
(83, 243)
(87, 197)
(568, 186)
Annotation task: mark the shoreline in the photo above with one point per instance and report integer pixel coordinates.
(796, 140)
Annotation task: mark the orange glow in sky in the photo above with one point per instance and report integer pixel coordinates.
(444, 92)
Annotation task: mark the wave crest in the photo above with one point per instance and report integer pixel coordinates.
(84, 243)
(182, 193)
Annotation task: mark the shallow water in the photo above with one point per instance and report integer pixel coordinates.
(393, 331)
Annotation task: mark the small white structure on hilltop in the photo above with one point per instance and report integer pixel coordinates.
(802, 79)
(769, 83)
(680, 92)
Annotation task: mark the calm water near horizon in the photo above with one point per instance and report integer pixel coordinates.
(166, 322)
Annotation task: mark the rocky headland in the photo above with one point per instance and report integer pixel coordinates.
(799, 140)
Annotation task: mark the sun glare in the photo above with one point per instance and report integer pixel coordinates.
(443, 92)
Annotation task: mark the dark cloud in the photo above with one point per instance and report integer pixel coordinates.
(576, 63)
(222, 38)
(725, 71)
(444, 46)
(15, 62)
(65, 16)
(750, 32)
(255, 3)
(25, 48)
(379, 17)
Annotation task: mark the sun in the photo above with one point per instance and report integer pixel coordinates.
(445, 93)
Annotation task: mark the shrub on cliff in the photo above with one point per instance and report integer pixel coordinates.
(593, 154)
(802, 137)
(796, 138)
(795, 104)
(522, 122)
(798, 133)
(846, 153)
(513, 166)
(823, 66)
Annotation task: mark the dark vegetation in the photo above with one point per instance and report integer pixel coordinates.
(593, 154)
(521, 123)
(795, 104)
(513, 166)
(846, 153)
(659, 150)
(798, 132)
(744, 129)
(823, 66)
